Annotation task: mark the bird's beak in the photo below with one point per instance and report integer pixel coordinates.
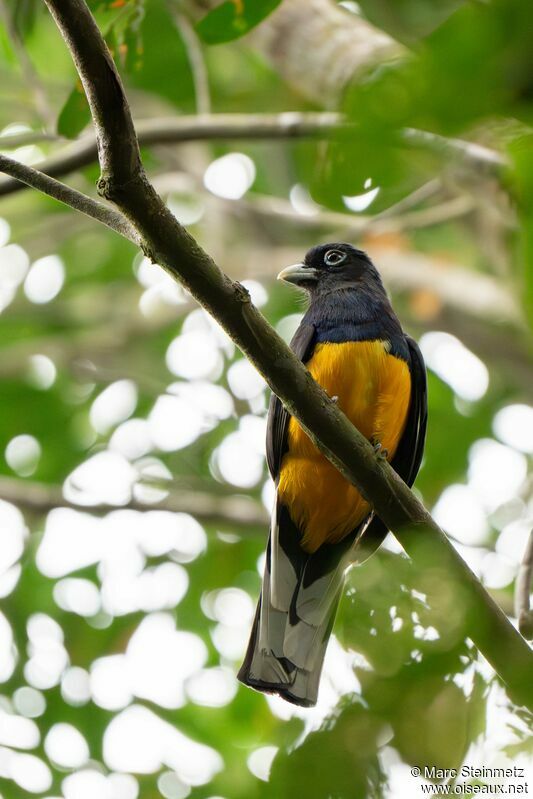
(298, 274)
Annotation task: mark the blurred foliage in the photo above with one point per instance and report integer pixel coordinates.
(402, 688)
(75, 114)
(231, 20)
(409, 20)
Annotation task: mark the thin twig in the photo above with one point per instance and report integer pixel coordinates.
(523, 611)
(10, 141)
(419, 195)
(238, 513)
(196, 61)
(359, 225)
(74, 199)
(176, 130)
(467, 154)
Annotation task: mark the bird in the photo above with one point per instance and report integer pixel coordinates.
(352, 343)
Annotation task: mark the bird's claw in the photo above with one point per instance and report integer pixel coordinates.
(381, 453)
(335, 399)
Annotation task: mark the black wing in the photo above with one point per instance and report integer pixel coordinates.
(302, 344)
(408, 456)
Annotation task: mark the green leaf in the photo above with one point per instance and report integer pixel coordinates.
(233, 19)
(163, 56)
(75, 114)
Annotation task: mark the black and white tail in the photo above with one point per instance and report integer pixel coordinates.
(295, 614)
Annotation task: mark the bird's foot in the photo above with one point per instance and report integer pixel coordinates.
(380, 451)
(334, 399)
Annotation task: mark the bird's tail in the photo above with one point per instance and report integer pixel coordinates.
(293, 620)
(292, 669)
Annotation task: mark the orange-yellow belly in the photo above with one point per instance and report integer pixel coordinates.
(373, 390)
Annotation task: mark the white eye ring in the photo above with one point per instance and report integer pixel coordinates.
(334, 257)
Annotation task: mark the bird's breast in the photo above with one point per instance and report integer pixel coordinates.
(373, 389)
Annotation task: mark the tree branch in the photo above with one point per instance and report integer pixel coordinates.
(319, 48)
(175, 130)
(523, 611)
(8, 141)
(118, 149)
(169, 244)
(236, 512)
(464, 153)
(74, 199)
(215, 127)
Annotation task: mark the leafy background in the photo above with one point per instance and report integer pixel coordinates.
(133, 488)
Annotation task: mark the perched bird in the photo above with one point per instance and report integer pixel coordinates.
(353, 344)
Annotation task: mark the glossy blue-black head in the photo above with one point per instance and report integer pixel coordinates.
(331, 266)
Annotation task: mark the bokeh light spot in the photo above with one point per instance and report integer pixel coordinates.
(514, 426)
(66, 746)
(45, 279)
(230, 176)
(42, 372)
(22, 455)
(115, 404)
(260, 761)
(464, 372)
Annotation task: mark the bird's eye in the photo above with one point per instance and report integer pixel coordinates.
(334, 257)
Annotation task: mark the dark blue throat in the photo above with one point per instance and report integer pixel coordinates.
(356, 314)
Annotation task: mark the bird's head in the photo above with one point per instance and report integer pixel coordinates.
(328, 267)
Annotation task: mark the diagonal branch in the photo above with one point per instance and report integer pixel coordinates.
(74, 199)
(169, 244)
